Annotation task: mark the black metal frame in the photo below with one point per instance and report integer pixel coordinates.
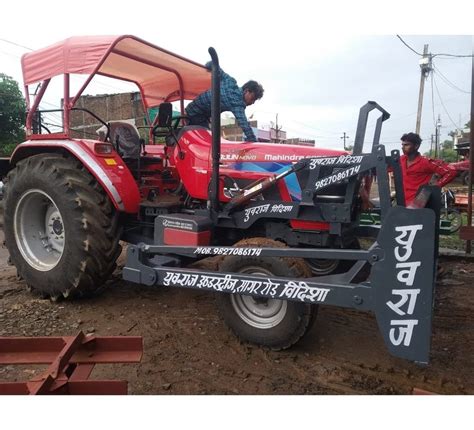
(405, 250)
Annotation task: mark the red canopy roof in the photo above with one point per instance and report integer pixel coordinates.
(159, 73)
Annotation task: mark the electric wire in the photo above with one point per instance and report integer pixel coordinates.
(432, 101)
(16, 44)
(408, 46)
(442, 104)
(448, 82)
(434, 55)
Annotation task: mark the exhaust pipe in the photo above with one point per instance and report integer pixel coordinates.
(213, 201)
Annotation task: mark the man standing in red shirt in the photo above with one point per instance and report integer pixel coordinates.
(418, 170)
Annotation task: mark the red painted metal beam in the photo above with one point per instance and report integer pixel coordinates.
(72, 359)
(421, 392)
(43, 350)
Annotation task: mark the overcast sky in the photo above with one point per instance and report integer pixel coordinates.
(316, 65)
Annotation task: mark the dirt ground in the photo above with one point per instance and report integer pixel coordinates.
(189, 350)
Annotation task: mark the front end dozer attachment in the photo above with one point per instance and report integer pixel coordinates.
(403, 282)
(399, 290)
(402, 258)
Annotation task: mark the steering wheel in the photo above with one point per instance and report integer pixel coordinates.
(107, 125)
(174, 124)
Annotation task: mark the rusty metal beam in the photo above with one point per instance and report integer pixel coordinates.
(72, 359)
(466, 233)
(421, 392)
(70, 387)
(43, 350)
(81, 371)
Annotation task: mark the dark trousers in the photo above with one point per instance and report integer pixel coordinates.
(201, 120)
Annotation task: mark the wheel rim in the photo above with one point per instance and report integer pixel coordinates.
(39, 230)
(454, 218)
(259, 313)
(322, 267)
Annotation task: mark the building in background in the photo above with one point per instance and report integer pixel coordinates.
(463, 143)
(231, 131)
(108, 107)
(128, 106)
(300, 141)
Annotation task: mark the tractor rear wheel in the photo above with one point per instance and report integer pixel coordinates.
(465, 177)
(61, 229)
(323, 267)
(273, 323)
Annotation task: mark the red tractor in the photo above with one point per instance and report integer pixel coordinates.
(462, 169)
(283, 217)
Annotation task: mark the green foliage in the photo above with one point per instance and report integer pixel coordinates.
(447, 144)
(12, 114)
(449, 155)
(446, 152)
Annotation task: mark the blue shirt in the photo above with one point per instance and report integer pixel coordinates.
(232, 99)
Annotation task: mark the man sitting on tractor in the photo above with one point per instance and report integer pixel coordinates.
(233, 99)
(418, 170)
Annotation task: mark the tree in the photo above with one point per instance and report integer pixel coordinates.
(12, 114)
(446, 152)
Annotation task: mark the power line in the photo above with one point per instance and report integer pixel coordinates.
(432, 101)
(314, 128)
(433, 55)
(442, 104)
(447, 81)
(10, 55)
(304, 125)
(16, 44)
(452, 55)
(409, 47)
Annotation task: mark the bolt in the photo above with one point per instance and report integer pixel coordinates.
(151, 277)
(358, 300)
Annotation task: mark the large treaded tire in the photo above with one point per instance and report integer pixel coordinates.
(320, 267)
(465, 178)
(89, 221)
(293, 319)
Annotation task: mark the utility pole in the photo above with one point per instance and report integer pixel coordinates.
(425, 65)
(277, 130)
(438, 127)
(471, 165)
(431, 146)
(344, 136)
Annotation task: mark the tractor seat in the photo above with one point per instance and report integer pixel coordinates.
(125, 138)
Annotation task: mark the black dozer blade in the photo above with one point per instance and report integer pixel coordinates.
(404, 281)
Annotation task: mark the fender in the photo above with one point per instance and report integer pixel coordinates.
(109, 170)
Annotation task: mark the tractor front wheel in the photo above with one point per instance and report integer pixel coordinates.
(273, 323)
(61, 229)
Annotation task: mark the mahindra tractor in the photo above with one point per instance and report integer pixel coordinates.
(462, 169)
(283, 219)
